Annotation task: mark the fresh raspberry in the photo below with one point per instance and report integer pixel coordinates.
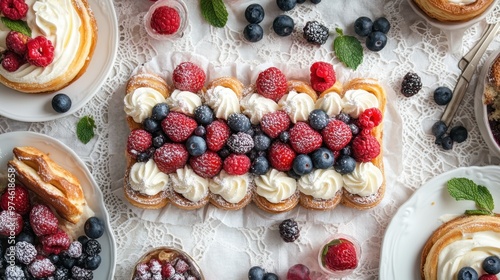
(16, 199)
(274, 123)
(336, 135)
(304, 139)
(236, 164)
(12, 61)
(188, 76)
(40, 51)
(10, 222)
(271, 83)
(165, 20)
(322, 76)
(56, 242)
(139, 140)
(365, 147)
(167, 270)
(171, 157)
(43, 221)
(370, 118)
(14, 9)
(41, 267)
(340, 254)
(178, 126)
(154, 266)
(207, 165)
(488, 277)
(181, 266)
(281, 156)
(217, 134)
(16, 42)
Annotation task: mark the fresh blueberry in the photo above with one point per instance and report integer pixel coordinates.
(270, 276)
(322, 158)
(376, 41)
(354, 128)
(343, 117)
(83, 239)
(196, 145)
(160, 111)
(151, 125)
(302, 164)
(284, 136)
(283, 25)
(442, 95)
(94, 227)
(256, 273)
(204, 114)
(447, 143)
(381, 24)
(259, 166)
(253, 32)
(315, 1)
(491, 265)
(238, 122)
(261, 142)
(53, 258)
(318, 119)
(66, 261)
(200, 131)
(363, 26)
(301, 1)
(25, 236)
(286, 5)
(159, 140)
(254, 13)
(458, 134)
(467, 273)
(92, 262)
(61, 103)
(292, 174)
(224, 152)
(143, 157)
(346, 151)
(344, 164)
(439, 129)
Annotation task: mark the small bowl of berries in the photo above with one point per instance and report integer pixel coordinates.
(339, 256)
(166, 19)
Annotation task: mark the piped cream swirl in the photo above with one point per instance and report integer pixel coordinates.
(233, 188)
(183, 102)
(365, 180)
(189, 184)
(146, 178)
(275, 186)
(461, 2)
(331, 103)
(297, 105)
(223, 101)
(255, 106)
(357, 100)
(321, 183)
(139, 103)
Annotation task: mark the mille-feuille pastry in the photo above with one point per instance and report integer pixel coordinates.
(453, 10)
(223, 95)
(321, 189)
(465, 241)
(276, 192)
(188, 190)
(230, 192)
(66, 51)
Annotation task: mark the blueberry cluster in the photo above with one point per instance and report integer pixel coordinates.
(490, 265)
(374, 31)
(258, 273)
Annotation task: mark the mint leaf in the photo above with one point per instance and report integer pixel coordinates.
(214, 11)
(348, 49)
(17, 25)
(466, 189)
(85, 129)
(477, 212)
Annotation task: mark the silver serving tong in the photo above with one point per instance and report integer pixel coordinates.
(468, 65)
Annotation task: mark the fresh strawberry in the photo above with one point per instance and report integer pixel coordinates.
(16, 42)
(274, 123)
(165, 20)
(171, 157)
(217, 134)
(178, 126)
(139, 140)
(16, 199)
(207, 165)
(40, 51)
(56, 242)
(43, 221)
(370, 118)
(365, 147)
(336, 135)
(322, 76)
(41, 267)
(304, 139)
(488, 277)
(281, 156)
(14, 9)
(339, 254)
(188, 76)
(236, 164)
(10, 223)
(271, 83)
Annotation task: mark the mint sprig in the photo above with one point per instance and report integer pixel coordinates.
(466, 189)
(215, 12)
(85, 129)
(348, 49)
(17, 25)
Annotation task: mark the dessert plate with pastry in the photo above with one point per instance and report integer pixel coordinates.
(56, 177)
(432, 226)
(41, 61)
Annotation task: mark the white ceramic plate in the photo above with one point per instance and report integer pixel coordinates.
(63, 155)
(37, 107)
(417, 218)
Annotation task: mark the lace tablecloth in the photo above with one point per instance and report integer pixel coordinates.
(227, 252)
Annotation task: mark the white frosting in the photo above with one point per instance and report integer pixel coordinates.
(357, 100)
(321, 183)
(233, 188)
(223, 101)
(183, 102)
(139, 103)
(297, 105)
(189, 184)
(331, 103)
(146, 178)
(275, 186)
(471, 250)
(58, 21)
(462, 2)
(365, 180)
(255, 106)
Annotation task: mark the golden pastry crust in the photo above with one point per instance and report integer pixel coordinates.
(337, 87)
(309, 202)
(219, 202)
(302, 87)
(228, 82)
(283, 206)
(450, 232)
(445, 11)
(140, 200)
(183, 203)
(88, 39)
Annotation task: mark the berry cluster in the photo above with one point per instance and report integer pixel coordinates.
(22, 49)
(374, 31)
(156, 268)
(490, 265)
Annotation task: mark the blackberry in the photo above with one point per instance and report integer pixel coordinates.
(240, 143)
(289, 230)
(14, 272)
(315, 33)
(458, 134)
(25, 252)
(61, 273)
(411, 84)
(79, 273)
(92, 247)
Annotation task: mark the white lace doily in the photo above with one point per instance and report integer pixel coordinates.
(226, 252)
